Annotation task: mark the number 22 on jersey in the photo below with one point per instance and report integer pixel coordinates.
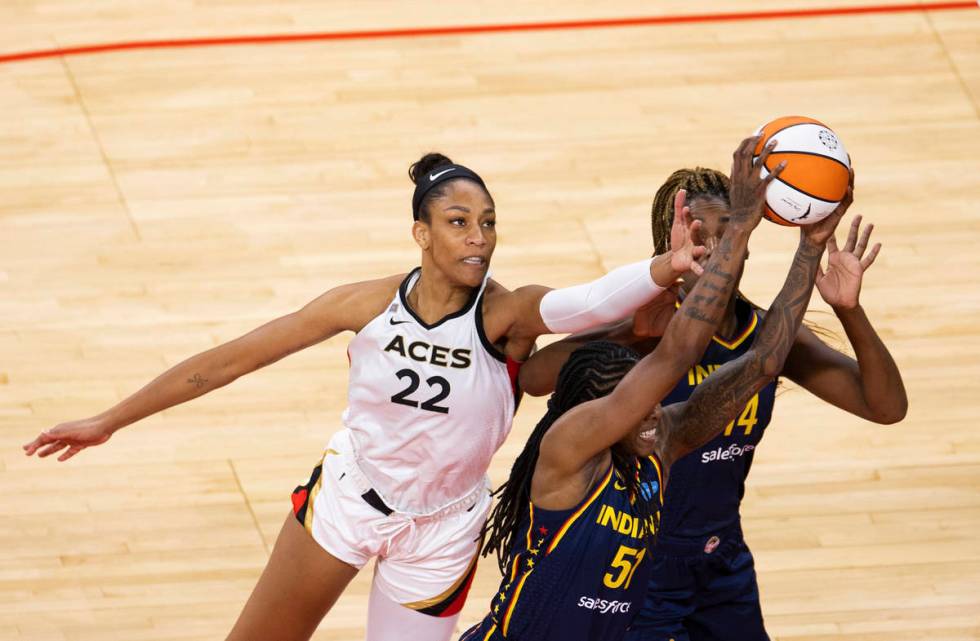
(414, 381)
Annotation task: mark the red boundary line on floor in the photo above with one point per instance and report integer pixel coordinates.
(487, 28)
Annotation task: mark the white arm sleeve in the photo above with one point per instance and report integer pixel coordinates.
(612, 297)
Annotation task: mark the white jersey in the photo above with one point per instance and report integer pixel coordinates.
(428, 405)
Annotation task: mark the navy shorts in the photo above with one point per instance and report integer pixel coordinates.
(700, 595)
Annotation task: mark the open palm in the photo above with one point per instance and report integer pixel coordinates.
(840, 284)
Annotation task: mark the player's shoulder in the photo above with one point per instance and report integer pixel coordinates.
(504, 309)
(495, 296)
(495, 292)
(386, 285)
(495, 288)
(361, 301)
(379, 290)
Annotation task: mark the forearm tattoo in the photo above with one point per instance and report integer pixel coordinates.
(703, 308)
(721, 396)
(709, 298)
(782, 321)
(197, 381)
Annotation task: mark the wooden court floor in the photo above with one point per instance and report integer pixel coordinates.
(158, 202)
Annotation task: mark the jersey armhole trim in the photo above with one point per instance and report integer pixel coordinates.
(487, 345)
(581, 509)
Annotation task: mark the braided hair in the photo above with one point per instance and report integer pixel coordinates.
(591, 372)
(699, 183)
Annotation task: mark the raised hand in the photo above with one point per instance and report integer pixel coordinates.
(747, 194)
(840, 285)
(74, 435)
(683, 236)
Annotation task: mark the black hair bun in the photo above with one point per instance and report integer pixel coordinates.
(425, 164)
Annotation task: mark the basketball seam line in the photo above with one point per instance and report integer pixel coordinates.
(794, 187)
(795, 124)
(809, 153)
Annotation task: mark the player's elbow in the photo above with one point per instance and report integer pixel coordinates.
(894, 413)
(682, 350)
(533, 387)
(233, 366)
(902, 410)
(535, 378)
(766, 367)
(890, 419)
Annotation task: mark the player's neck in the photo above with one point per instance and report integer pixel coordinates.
(728, 326)
(434, 297)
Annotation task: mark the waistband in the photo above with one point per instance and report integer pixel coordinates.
(385, 505)
(685, 546)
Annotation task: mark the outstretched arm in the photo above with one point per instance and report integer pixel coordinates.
(337, 310)
(528, 312)
(870, 386)
(594, 426)
(717, 400)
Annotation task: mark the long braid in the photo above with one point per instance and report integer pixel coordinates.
(591, 372)
(627, 468)
(514, 495)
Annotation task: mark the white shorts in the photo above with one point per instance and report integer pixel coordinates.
(425, 563)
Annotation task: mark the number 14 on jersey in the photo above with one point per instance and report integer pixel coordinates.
(747, 419)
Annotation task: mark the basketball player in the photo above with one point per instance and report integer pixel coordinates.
(703, 584)
(431, 398)
(579, 512)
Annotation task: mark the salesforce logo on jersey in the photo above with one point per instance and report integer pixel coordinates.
(729, 453)
(604, 606)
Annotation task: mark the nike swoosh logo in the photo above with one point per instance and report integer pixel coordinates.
(433, 177)
(399, 322)
(807, 212)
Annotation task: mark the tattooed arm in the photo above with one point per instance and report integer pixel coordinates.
(717, 400)
(587, 430)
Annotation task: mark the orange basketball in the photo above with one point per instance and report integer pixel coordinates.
(816, 174)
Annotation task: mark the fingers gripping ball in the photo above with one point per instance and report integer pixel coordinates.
(816, 174)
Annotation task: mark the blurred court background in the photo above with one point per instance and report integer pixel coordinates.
(158, 202)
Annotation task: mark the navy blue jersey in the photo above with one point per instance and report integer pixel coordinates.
(576, 574)
(707, 485)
